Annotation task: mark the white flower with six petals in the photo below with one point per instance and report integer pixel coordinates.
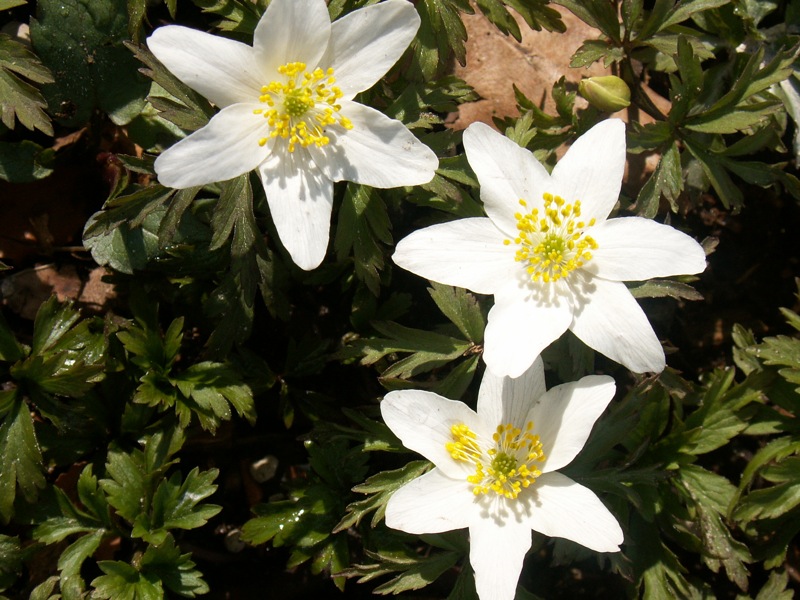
(496, 471)
(288, 111)
(549, 255)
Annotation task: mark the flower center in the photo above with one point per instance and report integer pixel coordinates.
(301, 105)
(506, 467)
(552, 243)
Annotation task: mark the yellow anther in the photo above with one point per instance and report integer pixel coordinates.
(506, 466)
(554, 246)
(301, 105)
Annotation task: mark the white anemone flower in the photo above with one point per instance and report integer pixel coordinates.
(549, 255)
(288, 111)
(496, 471)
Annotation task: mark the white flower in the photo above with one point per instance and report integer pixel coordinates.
(548, 254)
(496, 471)
(288, 111)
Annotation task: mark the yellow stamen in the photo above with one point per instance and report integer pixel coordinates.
(506, 466)
(553, 243)
(301, 105)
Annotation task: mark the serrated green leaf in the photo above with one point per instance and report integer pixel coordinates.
(461, 308)
(712, 166)
(127, 487)
(428, 349)
(189, 110)
(686, 9)
(665, 288)
(175, 570)
(733, 121)
(20, 458)
(123, 582)
(364, 228)
(18, 98)
(71, 559)
(776, 587)
(175, 506)
(417, 573)
(666, 180)
(380, 487)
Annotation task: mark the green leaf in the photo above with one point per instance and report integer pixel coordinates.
(713, 168)
(126, 490)
(666, 180)
(745, 118)
(10, 349)
(712, 493)
(53, 321)
(380, 487)
(73, 556)
(461, 308)
(664, 288)
(776, 588)
(123, 582)
(80, 41)
(175, 570)
(593, 50)
(415, 572)
(25, 161)
(18, 98)
(428, 349)
(363, 228)
(20, 457)
(175, 506)
(11, 561)
(119, 241)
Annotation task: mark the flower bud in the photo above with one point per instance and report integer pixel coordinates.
(607, 93)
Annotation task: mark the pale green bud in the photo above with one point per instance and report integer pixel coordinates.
(607, 92)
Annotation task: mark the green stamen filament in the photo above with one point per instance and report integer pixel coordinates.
(552, 243)
(301, 106)
(507, 467)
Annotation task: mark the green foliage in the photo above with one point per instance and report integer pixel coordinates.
(20, 99)
(63, 362)
(306, 520)
(429, 350)
(767, 501)
(116, 431)
(205, 390)
(160, 568)
(80, 42)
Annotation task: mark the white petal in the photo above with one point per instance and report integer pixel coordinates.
(634, 249)
(564, 416)
(422, 420)
(612, 322)
(467, 253)
(517, 331)
(366, 43)
(507, 174)
(496, 554)
(591, 170)
(378, 151)
(300, 201)
(505, 400)
(223, 149)
(291, 31)
(222, 70)
(432, 503)
(559, 507)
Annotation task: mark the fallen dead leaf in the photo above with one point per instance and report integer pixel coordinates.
(24, 292)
